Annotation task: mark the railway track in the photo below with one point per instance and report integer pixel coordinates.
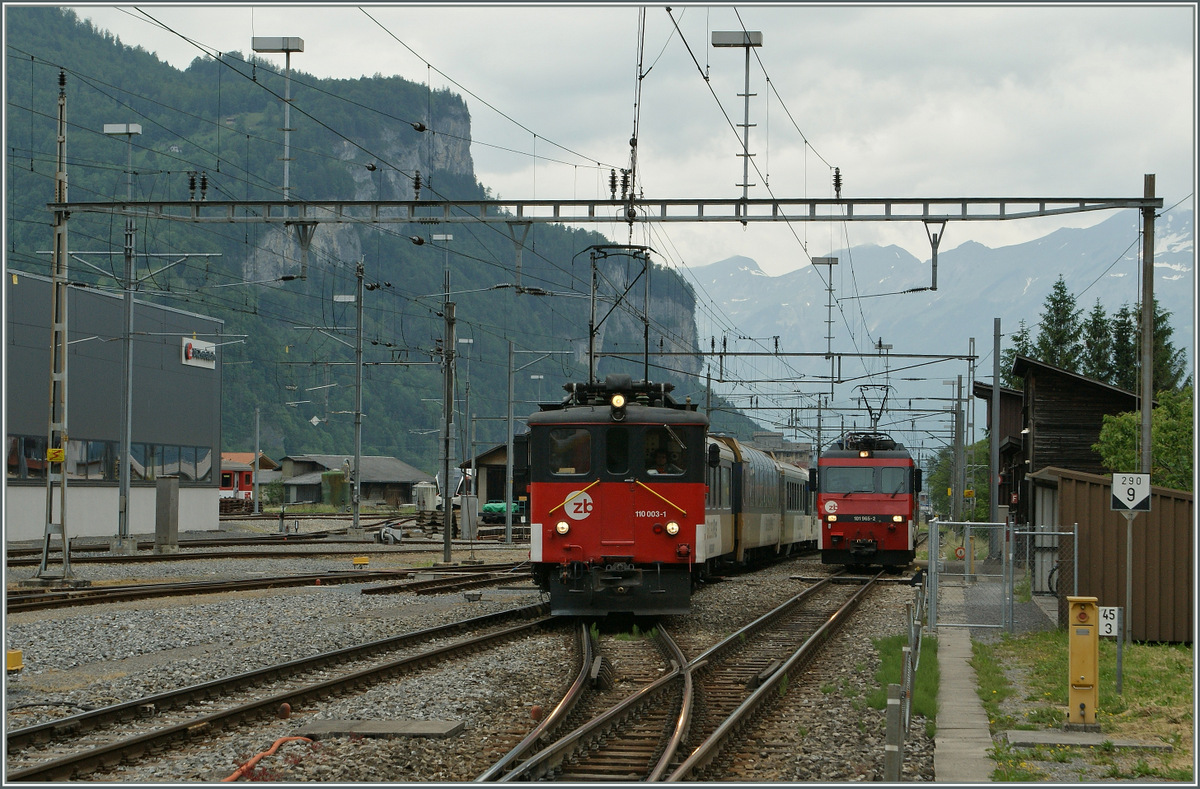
(742, 677)
(480, 575)
(20, 600)
(704, 702)
(277, 549)
(77, 746)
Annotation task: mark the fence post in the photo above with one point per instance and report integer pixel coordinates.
(933, 570)
(894, 748)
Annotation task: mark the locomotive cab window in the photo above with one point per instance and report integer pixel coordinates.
(570, 451)
(836, 479)
(893, 480)
(616, 450)
(665, 453)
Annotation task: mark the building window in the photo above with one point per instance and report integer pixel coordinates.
(26, 457)
(99, 461)
(145, 460)
(203, 464)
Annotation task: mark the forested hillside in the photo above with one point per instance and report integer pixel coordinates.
(213, 132)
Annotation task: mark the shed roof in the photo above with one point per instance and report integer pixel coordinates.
(1023, 364)
(230, 460)
(374, 468)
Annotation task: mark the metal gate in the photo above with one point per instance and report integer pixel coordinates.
(970, 575)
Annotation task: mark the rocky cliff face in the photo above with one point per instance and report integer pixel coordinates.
(445, 149)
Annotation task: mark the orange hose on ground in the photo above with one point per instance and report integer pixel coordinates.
(245, 768)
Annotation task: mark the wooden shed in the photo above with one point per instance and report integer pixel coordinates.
(1163, 573)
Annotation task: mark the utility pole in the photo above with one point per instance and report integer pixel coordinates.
(592, 326)
(124, 544)
(994, 429)
(959, 459)
(508, 455)
(254, 469)
(448, 348)
(1147, 325)
(358, 386)
(56, 440)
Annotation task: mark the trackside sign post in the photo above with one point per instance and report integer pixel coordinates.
(1110, 627)
(1130, 495)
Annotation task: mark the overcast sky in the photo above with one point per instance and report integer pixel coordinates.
(935, 101)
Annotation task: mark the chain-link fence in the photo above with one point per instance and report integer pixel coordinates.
(970, 572)
(989, 575)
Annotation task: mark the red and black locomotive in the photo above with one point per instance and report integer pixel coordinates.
(631, 503)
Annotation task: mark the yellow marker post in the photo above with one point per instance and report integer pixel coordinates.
(13, 663)
(361, 561)
(1083, 642)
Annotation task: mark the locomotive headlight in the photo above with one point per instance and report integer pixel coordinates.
(863, 453)
(618, 407)
(672, 528)
(562, 527)
(898, 518)
(832, 518)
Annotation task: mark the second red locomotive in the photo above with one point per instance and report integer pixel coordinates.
(867, 500)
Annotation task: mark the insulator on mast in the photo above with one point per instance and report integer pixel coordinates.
(612, 183)
(837, 182)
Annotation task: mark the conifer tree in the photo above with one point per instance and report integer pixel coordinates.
(1021, 345)
(1058, 341)
(1170, 363)
(1125, 349)
(1096, 357)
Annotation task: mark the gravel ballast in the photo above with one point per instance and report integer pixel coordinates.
(90, 656)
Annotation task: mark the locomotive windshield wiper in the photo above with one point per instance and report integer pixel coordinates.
(678, 440)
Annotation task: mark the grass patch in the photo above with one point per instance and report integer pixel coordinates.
(891, 672)
(1013, 765)
(636, 634)
(1156, 704)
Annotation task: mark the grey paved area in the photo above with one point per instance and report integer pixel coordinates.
(961, 746)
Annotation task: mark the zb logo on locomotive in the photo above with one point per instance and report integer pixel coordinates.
(579, 505)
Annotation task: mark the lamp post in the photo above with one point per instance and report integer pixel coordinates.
(287, 45)
(123, 544)
(747, 39)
